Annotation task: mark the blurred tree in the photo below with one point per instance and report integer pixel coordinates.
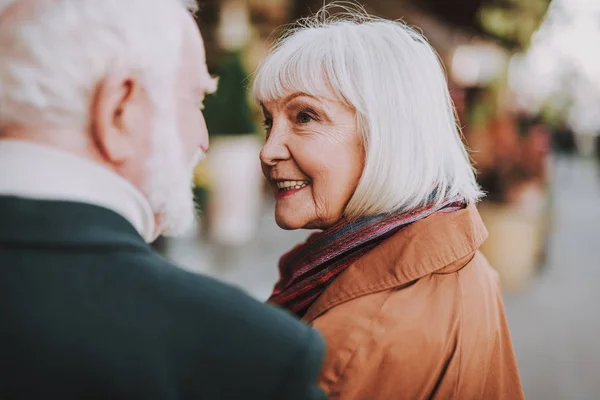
(207, 19)
(228, 111)
(511, 22)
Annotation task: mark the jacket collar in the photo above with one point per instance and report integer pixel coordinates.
(55, 223)
(441, 243)
(45, 173)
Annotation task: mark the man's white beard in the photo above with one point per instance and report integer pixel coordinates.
(170, 179)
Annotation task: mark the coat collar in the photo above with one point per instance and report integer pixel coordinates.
(57, 223)
(45, 173)
(441, 243)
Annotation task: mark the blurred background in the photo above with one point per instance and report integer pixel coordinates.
(525, 79)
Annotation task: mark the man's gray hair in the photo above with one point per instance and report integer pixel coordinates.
(191, 5)
(54, 53)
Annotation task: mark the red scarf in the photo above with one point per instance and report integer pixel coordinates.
(307, 270)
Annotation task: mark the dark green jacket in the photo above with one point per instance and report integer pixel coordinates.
(90, 311)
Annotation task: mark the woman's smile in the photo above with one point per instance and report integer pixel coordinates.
(286, 188)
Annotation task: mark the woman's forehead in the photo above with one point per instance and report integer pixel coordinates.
(279, 103)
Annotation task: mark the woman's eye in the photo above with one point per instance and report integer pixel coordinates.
(304, 118)
(267, 123)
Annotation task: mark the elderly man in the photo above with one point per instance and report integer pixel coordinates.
(100, 125)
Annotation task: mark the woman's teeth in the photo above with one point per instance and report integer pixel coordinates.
(284, 186)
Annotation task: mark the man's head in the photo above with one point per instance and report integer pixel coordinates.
(120, 82)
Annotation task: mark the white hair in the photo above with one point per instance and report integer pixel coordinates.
(169, 179)
(393, 79)
(55, 53)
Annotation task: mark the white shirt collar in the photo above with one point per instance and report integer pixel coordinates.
(42, 172)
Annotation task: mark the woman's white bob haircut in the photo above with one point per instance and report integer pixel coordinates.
(393, 79)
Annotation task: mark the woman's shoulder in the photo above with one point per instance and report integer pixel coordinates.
(403, 330)
(431, 304)
(385, 336)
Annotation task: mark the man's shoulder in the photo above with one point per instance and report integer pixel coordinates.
(156, 317)
(205, 301)
(240, 333)
(196, 289)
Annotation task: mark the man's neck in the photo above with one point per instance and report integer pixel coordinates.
(39, 171)
(72, 141)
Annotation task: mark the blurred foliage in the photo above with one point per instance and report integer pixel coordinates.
(202, 175)
(481, 105)
(512, 21)
(228, 112)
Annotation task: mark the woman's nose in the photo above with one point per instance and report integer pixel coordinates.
(275, 149)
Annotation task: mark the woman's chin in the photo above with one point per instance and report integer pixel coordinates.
(289, 218)
(289, 224)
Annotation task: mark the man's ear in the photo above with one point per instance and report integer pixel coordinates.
(115, 97)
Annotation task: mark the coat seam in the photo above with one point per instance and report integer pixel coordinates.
(460, 338)
(491, 360)
(337, 387)
(489, 367)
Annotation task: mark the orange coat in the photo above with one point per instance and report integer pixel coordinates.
(419, 317)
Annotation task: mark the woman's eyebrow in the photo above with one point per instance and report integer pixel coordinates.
(295, 95)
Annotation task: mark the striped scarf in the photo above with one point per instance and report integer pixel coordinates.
(307, 270)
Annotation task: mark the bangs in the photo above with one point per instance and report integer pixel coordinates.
(300, 63)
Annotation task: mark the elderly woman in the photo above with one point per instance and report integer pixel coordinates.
(362, 144)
